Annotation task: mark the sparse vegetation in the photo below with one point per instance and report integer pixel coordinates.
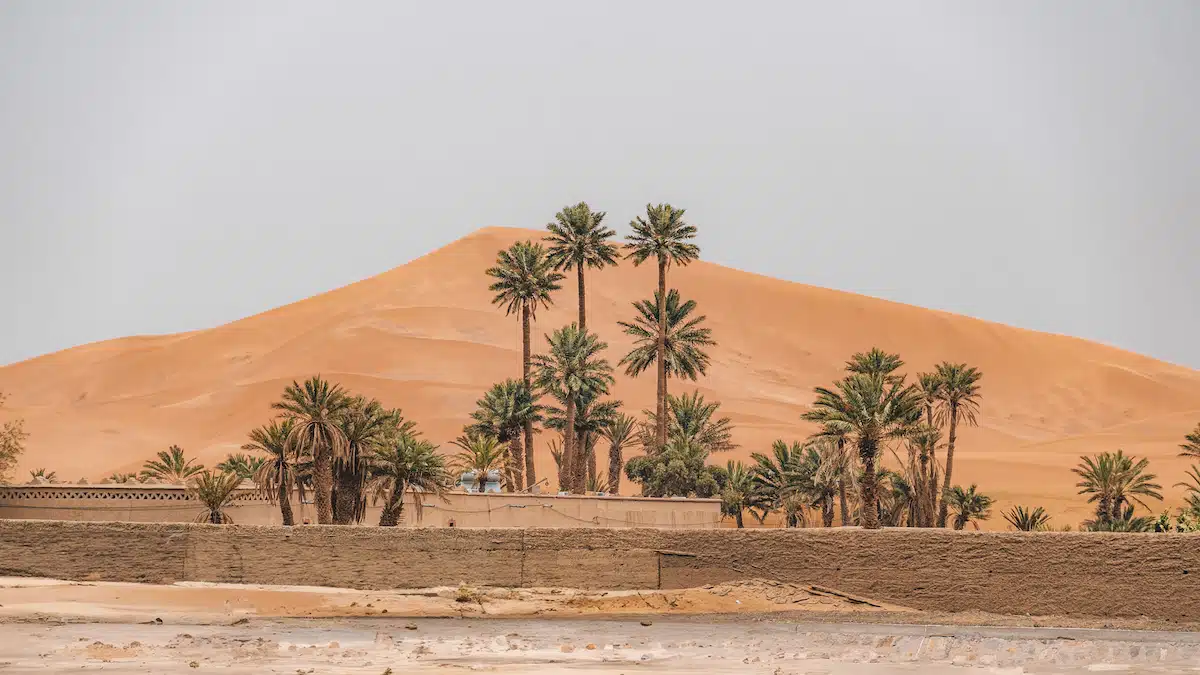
(1028, 519)
(12, 442)
(172, 466)
(216, 491)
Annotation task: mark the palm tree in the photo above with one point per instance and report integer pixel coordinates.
(316, 408)
(44, 476)
(407, 462)
(1191, 444)
(684, 343)
(572, 366)
(620, 432)
(958, 398)
(503, 412)
(817, 476)
(365, 424)
(922, 445)
(215, 491)
(578, 240)
(525, 277)
(896, 498)
(122, 478)
(480, 454)
(866, 409)
(738, 492)
(969, 506)
(1115, 481)
(1191, 493)
(245, 466)
(664, 236)
(1028, 519)
(1123, 521)
(592, 417)
(773, 476)
(875, 362)
(170, 467)
(692, 418)
(278, 472)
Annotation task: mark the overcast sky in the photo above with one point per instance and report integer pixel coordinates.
(167, 166)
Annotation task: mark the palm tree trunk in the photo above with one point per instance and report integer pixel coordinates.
(582, 295)
(285, 502)
(661, 432)
(827, 511)
(323, 484)
(393, 508)
(843, 500)
(589, 454)
(614, 468)
(868, 512)
(924, 493)
(515, 455)
(346, 496)
(737, 517)
(214, 516)
(569, 451)
(530, 473)
(942, 512)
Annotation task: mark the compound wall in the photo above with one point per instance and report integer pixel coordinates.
(1064, 573)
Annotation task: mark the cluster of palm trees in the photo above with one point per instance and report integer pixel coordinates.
(571, 374)
(870, 410)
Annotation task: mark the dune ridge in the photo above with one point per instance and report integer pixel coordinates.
(424, 337)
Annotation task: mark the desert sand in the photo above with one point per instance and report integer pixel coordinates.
(424, 337)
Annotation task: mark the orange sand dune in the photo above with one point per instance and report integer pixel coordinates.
(424, 337)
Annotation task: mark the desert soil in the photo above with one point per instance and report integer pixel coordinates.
(424, 337)
(746, 627)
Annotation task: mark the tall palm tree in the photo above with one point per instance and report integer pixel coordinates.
(243, 465)
(406, 462)
(1191, 444)
(316, 408)
(503, 412)
(958, 399)
(666, 237)
(1028, 519)
(1114, 481)
(278, 473)
(592, 416)
(366, 425)
(172, 466)
(524, 279)
(969, 506)
(683, 345)
(216, 491)
(737, 495)
(578, 240)
(867, 409)
(479, 454)
(573, 367)
(922, 445)
(621, 433)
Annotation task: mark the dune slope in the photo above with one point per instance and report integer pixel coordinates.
(424, 337)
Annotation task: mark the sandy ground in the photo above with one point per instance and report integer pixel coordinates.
(424, 337)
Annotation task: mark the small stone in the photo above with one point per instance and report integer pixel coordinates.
(590, 646)
(410, 626)
(647, 623)
(193, 664)
(566, 649)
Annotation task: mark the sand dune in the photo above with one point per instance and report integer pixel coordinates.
(424, 337)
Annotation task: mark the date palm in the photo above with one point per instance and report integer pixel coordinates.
(875, 362)
(738, 493)
(665, 236)
(621, 433)
(1114, 481)
(969, 506)
(1191, 444)
(816, 476)
(43, 475)
(406, 463)
(479, 454)
(215, 491)
(1028, 519)
(278, 472)
(774, 477)
(683, 347)
(592, 417)
(172, 466)
(365, 424)
(866, 410)
(316, 408)
(503, 412)
(577, 240)
(1191, 494)
(243, 465)
(524, 279)
(693, 419)
(573, 367)
(958, 400)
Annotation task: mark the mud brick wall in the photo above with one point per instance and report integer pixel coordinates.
(1095, 574)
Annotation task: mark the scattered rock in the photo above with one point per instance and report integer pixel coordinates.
(240, 622)
(193, 664)
(647, 623)
(410, 626)
(590, 646)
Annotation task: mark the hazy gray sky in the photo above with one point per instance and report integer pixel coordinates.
(166, 166)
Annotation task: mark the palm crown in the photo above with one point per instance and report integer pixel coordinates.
(579, 239)
(504, 410)
(684, 341)
(1114, 480)
(1191, 444)
(524, 276)
(171, 466)
(663, 235)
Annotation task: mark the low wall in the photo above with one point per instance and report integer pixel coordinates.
(171, 504)
(1096, 574)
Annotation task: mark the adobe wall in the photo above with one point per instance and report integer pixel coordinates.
(1095, 574)
(171, 504)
